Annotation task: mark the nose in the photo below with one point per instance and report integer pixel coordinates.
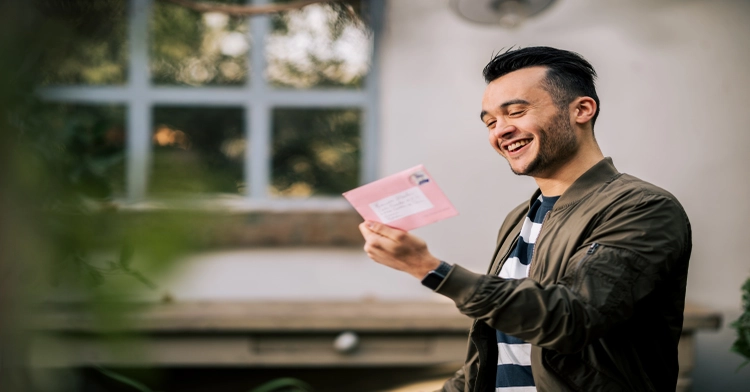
(504, 132)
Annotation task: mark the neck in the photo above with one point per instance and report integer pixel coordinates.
(557, 182)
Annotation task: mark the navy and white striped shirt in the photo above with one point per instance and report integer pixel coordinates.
(514, 355)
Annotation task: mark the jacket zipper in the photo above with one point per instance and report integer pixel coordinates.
(592, 249)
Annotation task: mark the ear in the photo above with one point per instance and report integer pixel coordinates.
(583, 109)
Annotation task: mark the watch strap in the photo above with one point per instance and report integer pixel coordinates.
(433, 278)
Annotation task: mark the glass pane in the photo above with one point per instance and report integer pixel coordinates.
(92, 142)
(197, 150)
(95, 48)
(320, 45)
(191, 48)
(315, 151)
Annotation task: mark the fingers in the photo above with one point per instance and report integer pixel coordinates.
(397, 249)
(381, 237)
(373, 240)
(386, 231)
(378, 247)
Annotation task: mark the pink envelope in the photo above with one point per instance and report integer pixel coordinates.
(405, 200)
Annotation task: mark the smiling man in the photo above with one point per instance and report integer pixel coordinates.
(586, 288)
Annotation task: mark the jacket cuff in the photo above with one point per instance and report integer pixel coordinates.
(460, 284)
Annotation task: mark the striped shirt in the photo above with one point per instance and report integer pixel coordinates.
(514, 355)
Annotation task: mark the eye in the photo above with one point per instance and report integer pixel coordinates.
(516, 113)
(490, 124)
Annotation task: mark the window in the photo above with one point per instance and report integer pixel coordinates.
(270, 108)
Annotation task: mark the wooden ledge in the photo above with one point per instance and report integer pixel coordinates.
(698, 317)
(292, 317)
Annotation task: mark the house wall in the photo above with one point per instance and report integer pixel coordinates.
(674, 91)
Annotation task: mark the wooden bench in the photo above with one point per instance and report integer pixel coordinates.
(280, 335)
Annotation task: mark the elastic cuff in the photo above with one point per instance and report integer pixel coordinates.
(460, 284)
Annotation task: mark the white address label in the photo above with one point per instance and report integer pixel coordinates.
(401, 205)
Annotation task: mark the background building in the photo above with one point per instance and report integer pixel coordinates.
(250, 107)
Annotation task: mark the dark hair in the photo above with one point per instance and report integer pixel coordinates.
(569, 75)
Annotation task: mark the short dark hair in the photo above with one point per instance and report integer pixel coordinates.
(569, 75)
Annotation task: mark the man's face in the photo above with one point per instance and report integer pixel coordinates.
(525, 126)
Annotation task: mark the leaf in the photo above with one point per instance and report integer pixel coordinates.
(138, 276)
(126, 256)
(91, 275)
(741, 346)
(123, 379)
(284, 384)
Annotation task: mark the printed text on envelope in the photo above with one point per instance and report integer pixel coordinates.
(401, 205)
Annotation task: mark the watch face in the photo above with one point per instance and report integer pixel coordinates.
(432, 280)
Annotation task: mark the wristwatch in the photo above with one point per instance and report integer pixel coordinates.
(433, 278)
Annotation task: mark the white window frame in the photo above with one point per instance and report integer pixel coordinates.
(256, 97)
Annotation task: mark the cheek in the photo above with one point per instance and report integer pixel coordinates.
(527, 124)
(493, 141)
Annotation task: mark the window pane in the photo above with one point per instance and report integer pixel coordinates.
(315, 151)
(192, 48)
(95, 48)
(320, 45)
(92, 142)
(197, 150)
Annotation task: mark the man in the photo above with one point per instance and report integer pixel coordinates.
(587, 285)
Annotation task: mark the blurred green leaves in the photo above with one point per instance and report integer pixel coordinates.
(197, 150)
(315, 151)
(61, 166)
(190, 48)
(319, 46)
(742, 345)
(63, 234)
(286, 384)
(86, 146)
(92, 45)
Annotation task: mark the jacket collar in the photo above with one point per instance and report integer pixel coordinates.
(603, 172)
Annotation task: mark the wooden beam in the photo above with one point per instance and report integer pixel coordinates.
(243, 10)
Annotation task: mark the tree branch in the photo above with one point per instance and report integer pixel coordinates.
(243, 10)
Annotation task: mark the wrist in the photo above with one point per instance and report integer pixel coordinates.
(425, 268)
(435, 277)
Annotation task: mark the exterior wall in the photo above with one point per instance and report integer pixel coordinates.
(674, 92)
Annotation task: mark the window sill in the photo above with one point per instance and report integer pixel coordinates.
(234, 222)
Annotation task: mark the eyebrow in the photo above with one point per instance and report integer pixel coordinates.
(505, 105)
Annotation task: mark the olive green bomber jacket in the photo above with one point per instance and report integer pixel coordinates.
(603, 304)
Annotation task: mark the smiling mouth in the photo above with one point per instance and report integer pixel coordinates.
(517, 145)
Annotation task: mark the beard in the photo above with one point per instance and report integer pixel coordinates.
(558, 143)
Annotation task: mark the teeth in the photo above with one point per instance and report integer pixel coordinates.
(518, 144)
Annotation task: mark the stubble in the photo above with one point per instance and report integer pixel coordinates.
(558, 143)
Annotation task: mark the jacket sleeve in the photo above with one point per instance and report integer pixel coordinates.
(455, 383)
(631, 249)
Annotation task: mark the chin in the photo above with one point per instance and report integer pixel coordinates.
(525, 167)
(520, 170)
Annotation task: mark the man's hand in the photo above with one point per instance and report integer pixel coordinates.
(397, 249)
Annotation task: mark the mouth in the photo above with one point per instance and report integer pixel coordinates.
(517, 146)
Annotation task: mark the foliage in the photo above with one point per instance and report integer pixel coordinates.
(60, 167)
(742, 325)
(277, 385)
(321, 45)
(124, 380)
(203, 151)
(315, 151)
(91, 42)
(284, 385)
(190, 48)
